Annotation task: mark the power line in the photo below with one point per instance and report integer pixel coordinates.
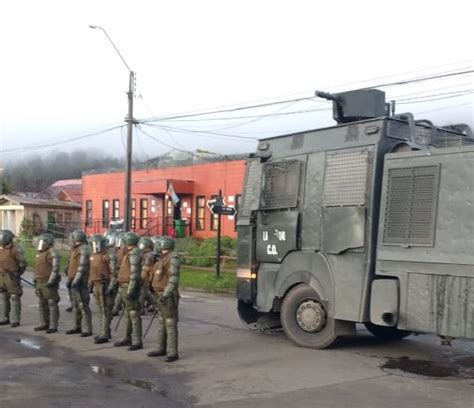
(161, 142)
(51, 144)
(444, 108)
(204, 133)
(404, 82)
(421, 79)
(330, 87)
(436, 99)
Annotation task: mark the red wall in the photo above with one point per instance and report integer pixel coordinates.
(207, 179)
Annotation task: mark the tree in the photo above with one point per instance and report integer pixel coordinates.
(4, 187)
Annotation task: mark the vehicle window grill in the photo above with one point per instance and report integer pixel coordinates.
(251, 191)
(410, 211)
(280, 184)
(345, 179)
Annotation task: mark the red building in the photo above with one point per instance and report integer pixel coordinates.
(153, 210)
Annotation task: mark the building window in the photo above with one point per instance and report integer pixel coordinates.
(116, 209)
(68, 220)
(60, 219)
(214, 218)
(88, 213)
(200, 212)
(143, 213)
(51, 217)
(105, 213)
(133, 214)
(238, 198)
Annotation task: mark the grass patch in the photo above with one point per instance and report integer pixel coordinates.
(30, 256)
(192, 278)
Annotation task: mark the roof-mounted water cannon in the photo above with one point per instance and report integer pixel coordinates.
(352, 106)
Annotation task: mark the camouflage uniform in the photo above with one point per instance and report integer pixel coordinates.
(46, 279)
(118, 304)
(147, 260)
(129, 287)
(77, 275)
(102, 280)
(12, 266)
(165, 285)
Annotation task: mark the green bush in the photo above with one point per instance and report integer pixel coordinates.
(202, 252)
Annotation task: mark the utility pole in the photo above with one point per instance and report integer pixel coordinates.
(128, 166)
(218, 243)
(130, 122)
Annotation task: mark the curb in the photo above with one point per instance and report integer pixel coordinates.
(212, 291)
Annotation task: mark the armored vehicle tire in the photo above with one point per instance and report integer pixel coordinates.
(305, 320)
(386, 333)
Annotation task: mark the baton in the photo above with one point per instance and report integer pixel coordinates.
(120, 319)
(149, 324)
(27, 281)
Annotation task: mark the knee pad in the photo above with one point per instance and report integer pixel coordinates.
(51, 302)
(171, 321)
(14, 297)
(133, 314)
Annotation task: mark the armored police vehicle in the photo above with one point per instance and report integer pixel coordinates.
(370, 221)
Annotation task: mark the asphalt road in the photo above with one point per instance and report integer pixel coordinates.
(223, 364)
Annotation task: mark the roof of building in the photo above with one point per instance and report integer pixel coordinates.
(64, 183)
(66, 190)
(177, 159)
(24, 199)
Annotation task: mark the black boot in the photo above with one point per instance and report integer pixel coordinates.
(50, 331)
(123, 343)
(41, 328)
(170, 359)
(134, 347)
(76, 330)
(101, 340)
(86, 334)
(156, 353)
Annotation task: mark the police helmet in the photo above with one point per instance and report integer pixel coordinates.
(166, 243)
(98, 243)
(78, 236)
(45, 241)
(6, 237)
(145, 242)
(130, 238)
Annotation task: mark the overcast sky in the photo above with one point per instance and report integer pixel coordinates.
(61, 79)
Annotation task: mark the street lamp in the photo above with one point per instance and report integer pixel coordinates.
(130, 122)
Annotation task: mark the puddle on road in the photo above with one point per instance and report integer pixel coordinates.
(143, 384)
(32, 344)
(460, 367)
(106, 372)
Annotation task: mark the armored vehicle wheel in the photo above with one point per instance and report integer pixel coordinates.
(386, 333)
(305, 320)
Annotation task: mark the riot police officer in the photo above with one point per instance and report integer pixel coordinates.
(102, 281)
(147, 260)
(46, 278)
(120, 251)
(129, 288)
(12, 266)
(165, 285)
(77, 279)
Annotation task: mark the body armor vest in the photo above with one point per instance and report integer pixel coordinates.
(124, 271)
(161, 273)
(44, 265)
(73, 263)
(99, 268)
(8, 260)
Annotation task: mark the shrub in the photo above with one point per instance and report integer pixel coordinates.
(202, 252)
